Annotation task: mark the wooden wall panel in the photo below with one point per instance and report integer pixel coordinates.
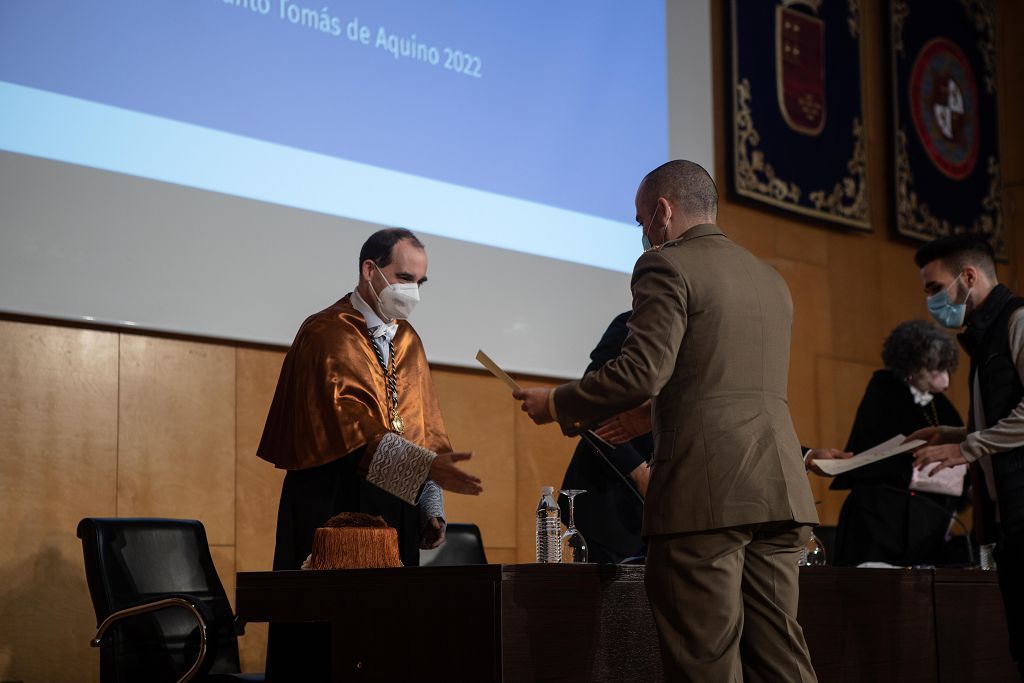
(176, 433)
(754, 230)
(855, 288)
(58, 458)
(478, 411)
(258, 483)
(802, 243)
(901, 293)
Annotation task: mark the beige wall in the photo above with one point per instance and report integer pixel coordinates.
(97, 422)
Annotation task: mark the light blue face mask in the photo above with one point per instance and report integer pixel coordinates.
(944, 311)
(645, 240)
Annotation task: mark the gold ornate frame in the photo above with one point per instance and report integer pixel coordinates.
(846, 202)
(914, 217)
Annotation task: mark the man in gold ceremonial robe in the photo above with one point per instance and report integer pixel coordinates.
(355, 420)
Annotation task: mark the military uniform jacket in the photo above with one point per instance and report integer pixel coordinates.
(709, 341)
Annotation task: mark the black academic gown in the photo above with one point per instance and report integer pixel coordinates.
(882, 520)
(309, 497)
(609, 514)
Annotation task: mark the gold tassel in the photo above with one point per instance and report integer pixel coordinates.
(355, 548)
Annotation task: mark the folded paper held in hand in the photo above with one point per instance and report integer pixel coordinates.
(486, 361)
(893, 446)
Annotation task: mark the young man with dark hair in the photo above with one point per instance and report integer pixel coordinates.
(959, 276)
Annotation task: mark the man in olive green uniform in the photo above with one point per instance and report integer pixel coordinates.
(728, 504)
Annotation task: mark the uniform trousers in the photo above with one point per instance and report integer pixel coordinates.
(725, 603)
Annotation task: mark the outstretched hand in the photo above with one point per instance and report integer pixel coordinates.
(947, 455)
(448, 476)
(626, 426)
(535, 403)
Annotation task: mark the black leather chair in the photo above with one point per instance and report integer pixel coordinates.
(162, 611)
(463, 545)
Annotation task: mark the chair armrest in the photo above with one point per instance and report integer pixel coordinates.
(240, 625)
(179, 600)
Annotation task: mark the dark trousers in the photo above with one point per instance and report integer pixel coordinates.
(1009, 552)
(725, 604)
(302, 652)
(1010, 563)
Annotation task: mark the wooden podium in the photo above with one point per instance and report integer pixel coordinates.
(592, 623)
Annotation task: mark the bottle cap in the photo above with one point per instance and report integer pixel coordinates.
(547, 490)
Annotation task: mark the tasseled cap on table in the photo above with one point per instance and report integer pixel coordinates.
(355, 540)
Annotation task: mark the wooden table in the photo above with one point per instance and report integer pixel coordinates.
(592, 623)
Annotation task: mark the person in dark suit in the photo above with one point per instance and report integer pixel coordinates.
(610, 513)
(883, 519)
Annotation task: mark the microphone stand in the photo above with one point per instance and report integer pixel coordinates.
(953, 515)
(593, 441)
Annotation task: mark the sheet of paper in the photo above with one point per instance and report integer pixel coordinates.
(486, 361)
(893, 446)
(949, 482)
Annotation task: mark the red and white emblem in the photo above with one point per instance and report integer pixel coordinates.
(800, 65)
(944, 106)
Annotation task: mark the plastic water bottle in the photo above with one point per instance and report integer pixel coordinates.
(549, 527)
(988, 561)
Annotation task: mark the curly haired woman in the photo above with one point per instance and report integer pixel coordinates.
(883, 520)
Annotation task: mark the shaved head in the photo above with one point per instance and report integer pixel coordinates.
(686, 184)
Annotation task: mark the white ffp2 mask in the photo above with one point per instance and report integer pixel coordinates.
(397, 300)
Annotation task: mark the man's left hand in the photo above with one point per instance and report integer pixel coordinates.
(627, 425)
(947, 455)
(535, 403)
(433, 533)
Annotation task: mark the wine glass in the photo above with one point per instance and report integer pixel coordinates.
(574, 546)
(813, 553)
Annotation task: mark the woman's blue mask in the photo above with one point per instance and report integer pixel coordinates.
(945, 312)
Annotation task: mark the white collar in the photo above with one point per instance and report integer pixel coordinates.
(374, 324)
(921, 398)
